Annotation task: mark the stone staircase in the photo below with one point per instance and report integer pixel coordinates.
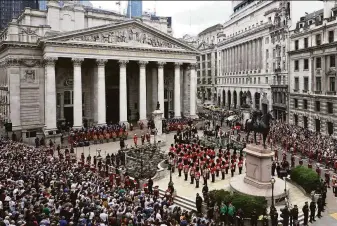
(182, 202)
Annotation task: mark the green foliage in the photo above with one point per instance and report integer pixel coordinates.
(307, 178)
(246, 202)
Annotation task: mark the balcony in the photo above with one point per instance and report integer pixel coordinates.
(318, 92)
(331, 93)
(295, 90)
(305, 91)
(279, 82)
(277, 70)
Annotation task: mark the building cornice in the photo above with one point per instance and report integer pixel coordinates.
(245, 34)
(309, 31)
(115, 47)
(313, 48)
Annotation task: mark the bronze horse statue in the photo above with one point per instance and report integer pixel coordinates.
(259, 123)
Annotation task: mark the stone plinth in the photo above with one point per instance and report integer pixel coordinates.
(157, 116)
(256, 181)
(258, 164)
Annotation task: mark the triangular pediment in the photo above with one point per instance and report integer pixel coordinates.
(130, 33)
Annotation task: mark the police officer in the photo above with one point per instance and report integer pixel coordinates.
(285, 215)
(305, 210)
(312, 211)
(253, 218)
(294, 215)
(274, 217)
(319, 206)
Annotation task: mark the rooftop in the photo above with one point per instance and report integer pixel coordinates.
(210, 29)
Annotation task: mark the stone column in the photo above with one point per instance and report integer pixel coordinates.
(50, 94)
(101, 102)
(253, 54)
(258, 47)
(77, 109)
(142, 90)
(62, 105)
(155, 97)
(177, 109)
(193, 86)
(161, 85)
(123, 106)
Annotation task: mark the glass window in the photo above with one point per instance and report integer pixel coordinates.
(318, 62)
(297, 84)
(267, 53)
(295, 103)
(305, 122)
(332, 61)
(296, 44)
(306, 64)
(296, 65)
(330, 128)
(318, 84)
(317, 105)
(67, 97)
(318, 39)
(305, 104)
(329, 107)
(318, 125)
(306, 83)
(266, 80)
(296, 120)
(332, 84)
(305, 42)
(331, 36)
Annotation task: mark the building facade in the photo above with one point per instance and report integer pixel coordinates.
(312, 71)
(88, 66)
(243, 57)
(10, 9)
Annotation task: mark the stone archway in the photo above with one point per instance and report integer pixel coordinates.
(257, 97)
(229, 99)
(224, 98)
(241, 97)
(235, 99)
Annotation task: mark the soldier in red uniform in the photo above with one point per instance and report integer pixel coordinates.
(192, 172)
(218, 167)
(227, 166)
(213, 169)
(232, 168)
(180, 167)
(223, 170)
(240, 166)
(135, 139)
(186, 169)
(197, 177)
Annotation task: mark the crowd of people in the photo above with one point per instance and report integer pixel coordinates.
(300, 141)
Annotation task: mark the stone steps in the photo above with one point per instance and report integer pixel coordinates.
(182, 202)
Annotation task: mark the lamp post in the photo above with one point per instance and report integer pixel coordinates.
(170, 184)
(272, 181)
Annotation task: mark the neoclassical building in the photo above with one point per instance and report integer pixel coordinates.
(312, 74)
(244, 60)
(82, 65)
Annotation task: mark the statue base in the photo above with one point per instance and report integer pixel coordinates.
(257, 179)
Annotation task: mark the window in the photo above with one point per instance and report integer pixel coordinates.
(306, 64)
(266, 80)
(317, 105)
(30, 134)
(306, 83)
(306, 43)
(318, 39)
(274, 66)
(296, 65)
(305, 104)
(274, 53)
(305, 122)
(296, 44)
(318, 62)
(332, 84)
(284, 66)
(332, 61)
(258, 80)
(296, 120)
(267, 53)
(331, 36)
(329, 107)
(295, 103)
(318, 84)
(297, 84)
(318, 125)
(67, 97)
(330, 128)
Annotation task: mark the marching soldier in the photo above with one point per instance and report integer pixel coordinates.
(240, 166)
(227, 166)
(204, 172)
(232, 169)
(213, 169)
(218, 167)
(180, 167)
(223, 170)
(197, 178)
(192, 171)
(186, 169)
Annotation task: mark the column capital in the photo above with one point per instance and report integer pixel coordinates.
(77, 61)
(177, 64)
(161, 64)
(101, 62)
(143, 63)
(123, 63)
(50, 61)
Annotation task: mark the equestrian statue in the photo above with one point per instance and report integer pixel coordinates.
(259, 123)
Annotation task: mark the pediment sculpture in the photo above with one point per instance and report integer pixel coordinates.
(125, 35)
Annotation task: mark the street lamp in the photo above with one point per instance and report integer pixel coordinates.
(170, 184)
(272, 181)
